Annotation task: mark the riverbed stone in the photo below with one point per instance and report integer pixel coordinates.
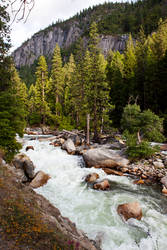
(39, 180)
(104, 157)
(130, 210)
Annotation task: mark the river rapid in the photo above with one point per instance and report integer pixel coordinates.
(95, 212)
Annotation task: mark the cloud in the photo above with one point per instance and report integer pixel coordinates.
(45, 13)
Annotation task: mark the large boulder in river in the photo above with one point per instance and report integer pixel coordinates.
(105, 158)
(22, 161)
(130, 210)
(69, 146)
(39, 180)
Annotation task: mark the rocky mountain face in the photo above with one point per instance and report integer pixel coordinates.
(44, 42)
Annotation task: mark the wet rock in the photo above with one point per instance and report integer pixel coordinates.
(158, 164)
(130, 210)
(69, 146)
(22, 161)
(105, 158)
(112, 171)
(103, 185)
(39, 180)
(91, 177)
(29, 147)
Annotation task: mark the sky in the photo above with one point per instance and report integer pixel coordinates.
(44, 13)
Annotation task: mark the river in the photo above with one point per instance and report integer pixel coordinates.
(95, 211)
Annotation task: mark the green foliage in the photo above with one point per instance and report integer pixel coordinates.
(38, 94)
(131, 118)
(136, 150)
(12, 94)
(146, 123)
(152, 126)
(56, 82)
(140, 74)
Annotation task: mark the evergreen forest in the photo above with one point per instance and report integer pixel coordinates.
(65, 92)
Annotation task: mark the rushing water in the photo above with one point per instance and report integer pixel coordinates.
(95, 211)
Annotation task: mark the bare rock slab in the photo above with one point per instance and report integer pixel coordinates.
(105, 158)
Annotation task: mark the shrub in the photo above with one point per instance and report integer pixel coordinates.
(136, 150)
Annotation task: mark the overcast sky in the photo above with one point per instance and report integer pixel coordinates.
(46, 12)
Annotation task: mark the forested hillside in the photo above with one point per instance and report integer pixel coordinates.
(63, 92)
(114, 20)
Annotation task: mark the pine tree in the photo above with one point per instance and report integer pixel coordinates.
(41, 86)
(56, 85)
(97, 88)
(115, 78)
(11, 115)
(70, 99)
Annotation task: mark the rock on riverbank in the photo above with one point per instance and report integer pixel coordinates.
(29, 221)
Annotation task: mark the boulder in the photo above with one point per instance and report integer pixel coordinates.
(91, 177)
(29, 147)
(164, 181)
(69, 146)
(22, 161)
(105, 158)
(103, 185)
(130, 210)
(39, 180)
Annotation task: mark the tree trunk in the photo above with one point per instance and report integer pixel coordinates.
(88, 130)
(96, 136)
(57, 101)
(138, 137)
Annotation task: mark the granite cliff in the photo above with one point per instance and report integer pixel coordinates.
(44, 42)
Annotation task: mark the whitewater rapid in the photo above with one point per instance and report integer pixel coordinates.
(95, 211)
